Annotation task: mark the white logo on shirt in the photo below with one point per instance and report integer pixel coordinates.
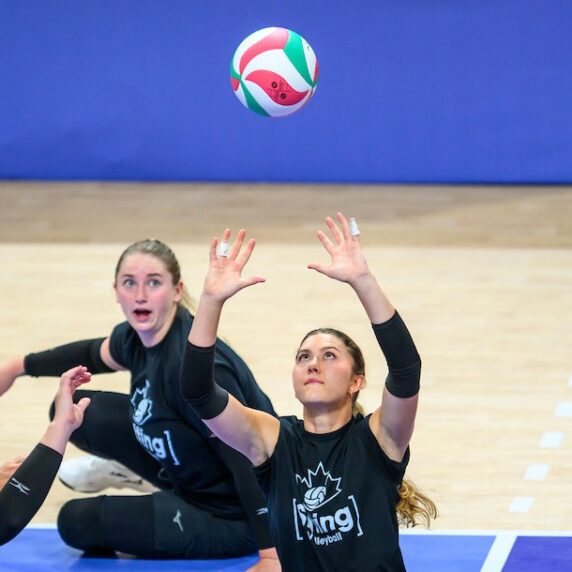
(159, 447)
(321, 526)
(142, 405)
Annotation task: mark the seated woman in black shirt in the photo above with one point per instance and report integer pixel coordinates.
(207, 503)
(334, 480)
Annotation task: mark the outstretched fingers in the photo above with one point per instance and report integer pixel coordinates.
(227, 261)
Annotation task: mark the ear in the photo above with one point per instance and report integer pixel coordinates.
(357, 384)
(116, 293)
(179, 291)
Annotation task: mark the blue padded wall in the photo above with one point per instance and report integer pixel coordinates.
(409, 91)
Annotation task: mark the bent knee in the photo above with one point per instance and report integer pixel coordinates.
(79, 524)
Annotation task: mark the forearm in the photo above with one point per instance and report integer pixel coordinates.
(56, 436)
(27, 489)
(9, 372)
(197, 382)
(376, 304)
(403, 360)
(56, 360)
(205, 323)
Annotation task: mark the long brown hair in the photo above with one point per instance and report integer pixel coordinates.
(413, 507)
(163, 253)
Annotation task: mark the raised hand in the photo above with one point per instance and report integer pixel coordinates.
(227, 261)
(69, 415)
(348, 263)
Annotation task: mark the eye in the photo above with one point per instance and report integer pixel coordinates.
(154, 283)
(330, 355)
(128, 282)
(302, 356)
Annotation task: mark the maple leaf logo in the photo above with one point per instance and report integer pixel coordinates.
(141, 404)
(321, 487)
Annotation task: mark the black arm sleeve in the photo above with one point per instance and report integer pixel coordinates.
(61, 358)
(401, 355)
(197, 383)
(250, 494)
(25, 492)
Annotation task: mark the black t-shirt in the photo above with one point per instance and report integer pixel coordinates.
(332, 499)
(166, 426)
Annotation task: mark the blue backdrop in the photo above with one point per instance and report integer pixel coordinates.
(409, 91)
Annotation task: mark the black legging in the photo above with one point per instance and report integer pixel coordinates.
(160, 525)
(106, 432)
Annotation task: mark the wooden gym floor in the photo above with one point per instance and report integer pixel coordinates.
(482, 275)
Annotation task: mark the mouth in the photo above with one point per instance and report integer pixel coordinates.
(312, 381)
(141, 314)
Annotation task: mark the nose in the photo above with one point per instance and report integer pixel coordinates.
(140, 294)
(313, 364)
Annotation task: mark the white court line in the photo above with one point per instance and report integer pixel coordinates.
(563, 409)
(536, 472)
(482, 532)
(521, 504)
(551, 440)
(498, 554)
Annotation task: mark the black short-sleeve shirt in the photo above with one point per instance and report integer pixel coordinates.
(167, 427)
(332, 499)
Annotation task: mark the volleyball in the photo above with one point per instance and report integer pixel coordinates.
(313, 498)
(274, 72)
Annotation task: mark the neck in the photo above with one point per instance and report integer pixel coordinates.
(152, 338)
(320, 420)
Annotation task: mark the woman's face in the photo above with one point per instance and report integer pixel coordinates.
(323, 372)
(145, 291)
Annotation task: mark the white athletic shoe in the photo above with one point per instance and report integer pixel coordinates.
(92, 474)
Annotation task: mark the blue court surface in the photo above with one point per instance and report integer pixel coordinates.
(39, 548)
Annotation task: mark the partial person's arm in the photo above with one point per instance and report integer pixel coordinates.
(252, 499)
(253, 433)
(248, 431)
(392, 423)
(27, 488)
(93, 353)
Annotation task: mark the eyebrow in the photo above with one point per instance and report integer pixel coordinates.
(129, 275)
(322, 349)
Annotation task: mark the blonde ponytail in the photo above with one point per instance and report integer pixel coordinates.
(414, 507)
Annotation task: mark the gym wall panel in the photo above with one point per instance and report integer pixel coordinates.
(411, 91)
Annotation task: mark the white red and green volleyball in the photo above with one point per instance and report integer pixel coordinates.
(274, 72)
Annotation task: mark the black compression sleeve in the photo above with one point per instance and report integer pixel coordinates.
(25, 492)
(197, 383)
(402, 358)
(61, 358)
(251, 496)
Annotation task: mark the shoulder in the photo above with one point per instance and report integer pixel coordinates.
(291, 428)
(122, 333)
(123, 342)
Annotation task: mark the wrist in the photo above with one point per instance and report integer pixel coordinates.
(16, 367)
(56, 436)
